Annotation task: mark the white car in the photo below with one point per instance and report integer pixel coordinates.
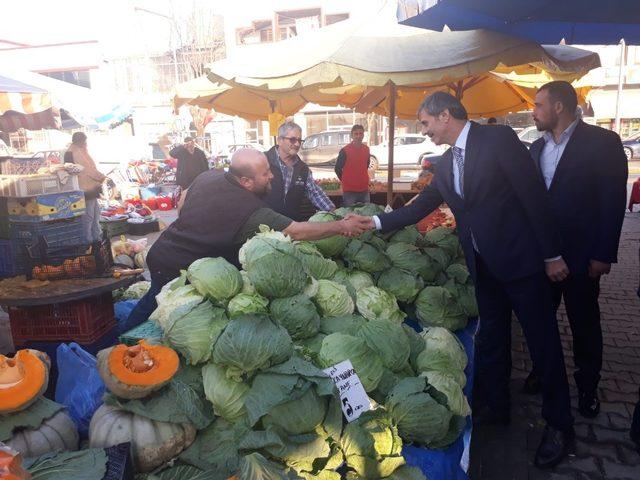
(408, 149)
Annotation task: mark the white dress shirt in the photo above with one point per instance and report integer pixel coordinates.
(552, 152)
(461, 143)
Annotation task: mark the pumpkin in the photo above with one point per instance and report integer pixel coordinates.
(135, 372)
(23, 378)
(55, 433)
(11, 465)
(152, 443)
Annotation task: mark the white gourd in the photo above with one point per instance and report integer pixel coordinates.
(55, 433)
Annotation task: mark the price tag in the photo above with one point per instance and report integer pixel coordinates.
(353, 398)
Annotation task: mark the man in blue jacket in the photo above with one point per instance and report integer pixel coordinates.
(584, 169)
(512, 249)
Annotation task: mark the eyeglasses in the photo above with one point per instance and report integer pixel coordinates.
(294, 139)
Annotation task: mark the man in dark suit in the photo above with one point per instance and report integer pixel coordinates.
(511, 247)
(585, 171)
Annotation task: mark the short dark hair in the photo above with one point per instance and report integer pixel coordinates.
(188, 139)
(357, 127)
(563, 92)
(438, 102)
(78, 138)
(492, 120)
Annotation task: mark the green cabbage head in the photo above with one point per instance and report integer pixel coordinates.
(246, 303)
(376, 304)
(313, 262)
(436, 306)
(215, 278)
(277, 275)
(297, 314)
(403, 285)
(446, 385)
(389, 341)
(331, 246)
(333, 299)
(225, 394)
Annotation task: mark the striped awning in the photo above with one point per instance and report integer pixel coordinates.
(20, 97)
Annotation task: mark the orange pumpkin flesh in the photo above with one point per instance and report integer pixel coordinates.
(11, 465)
(134, 372)
(23, 379)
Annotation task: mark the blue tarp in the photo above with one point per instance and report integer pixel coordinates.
(452, 463)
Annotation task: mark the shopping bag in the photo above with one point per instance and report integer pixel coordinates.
(79, 385)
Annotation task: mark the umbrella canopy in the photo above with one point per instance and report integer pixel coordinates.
(594, 22)
(24, 106)
(341, 54)
(84, 106)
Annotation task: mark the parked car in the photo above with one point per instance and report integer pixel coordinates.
(408, 150)
(530, 135)
(632, 146)
(323, 148)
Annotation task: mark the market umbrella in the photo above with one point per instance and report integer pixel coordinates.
(384, 55)
(82, 105)
(24, 106)
(584, 22)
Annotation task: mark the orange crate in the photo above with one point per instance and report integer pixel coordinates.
(83, 321)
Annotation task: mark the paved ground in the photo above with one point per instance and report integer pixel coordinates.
(603, 448)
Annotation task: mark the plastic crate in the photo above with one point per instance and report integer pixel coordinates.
(77, 261)
(119, 462)
(111, 228)
(146, 329)
(38, 184)
(143, 228)
(44, 208)
(23, 166)
(57, 233)
(10, 264)
(83, 321)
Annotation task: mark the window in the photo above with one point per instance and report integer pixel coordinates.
(75, 77)
(329, 139)
(316, 123)
(335, 18)
(310, 142)
(344, 138)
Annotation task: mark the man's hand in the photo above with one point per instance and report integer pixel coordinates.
(354, 225)
(556, 270)
(597, 268)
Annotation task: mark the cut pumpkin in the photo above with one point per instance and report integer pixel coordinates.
(11, 465)
(135, 372)
(23, 378)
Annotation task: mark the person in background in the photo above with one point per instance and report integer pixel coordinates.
(512, 250)
(220, 212)
(191, 162)
(584, 169)
(292, 178)
(90, 180)
(492, 121)
(352, 168)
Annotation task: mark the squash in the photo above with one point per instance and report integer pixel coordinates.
(11, 465)
(152, 443)
(23, 379)
(135, 372)
(55, 433)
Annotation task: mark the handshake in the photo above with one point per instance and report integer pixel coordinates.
(353, 225)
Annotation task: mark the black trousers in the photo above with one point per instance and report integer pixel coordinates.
(531, 300)
(580, 294)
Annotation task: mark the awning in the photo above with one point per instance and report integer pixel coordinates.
(25, 106)
(603, 103)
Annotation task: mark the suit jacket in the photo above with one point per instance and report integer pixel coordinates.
(588, 195)
(505, 205)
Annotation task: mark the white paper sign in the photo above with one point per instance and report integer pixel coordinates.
(353, 398)
(388, 209)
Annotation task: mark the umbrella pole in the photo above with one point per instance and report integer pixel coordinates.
(392, 129)
(620, 83)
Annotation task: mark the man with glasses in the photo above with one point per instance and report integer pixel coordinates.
(292, 178)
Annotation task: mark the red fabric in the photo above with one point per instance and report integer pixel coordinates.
(355, 177)
(635, 194)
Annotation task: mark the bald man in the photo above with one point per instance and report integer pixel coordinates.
(220, 212)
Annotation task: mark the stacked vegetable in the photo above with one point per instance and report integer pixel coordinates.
(253, 345)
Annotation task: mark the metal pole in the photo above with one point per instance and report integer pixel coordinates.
(620, 83)
(392, 128)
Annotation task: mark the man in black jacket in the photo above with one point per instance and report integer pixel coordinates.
(191, 162)
(292, 178)
(512, 249)
(585, 171)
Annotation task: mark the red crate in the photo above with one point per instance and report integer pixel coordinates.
(83, 321)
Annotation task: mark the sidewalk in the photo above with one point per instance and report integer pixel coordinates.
(603, 448)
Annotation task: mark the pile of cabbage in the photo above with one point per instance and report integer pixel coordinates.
(259, 339)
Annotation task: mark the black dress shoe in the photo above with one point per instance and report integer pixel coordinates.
(554, 446)
(588, 404)
(532, 385)
(487, 417)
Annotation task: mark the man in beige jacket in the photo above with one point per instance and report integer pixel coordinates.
(90, 180)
